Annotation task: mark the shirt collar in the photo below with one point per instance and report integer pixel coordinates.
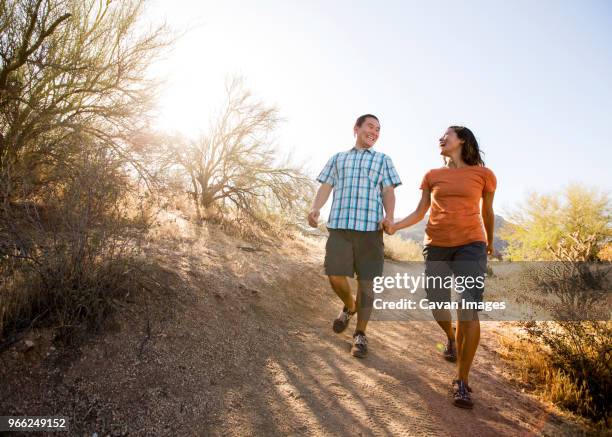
(355, 149)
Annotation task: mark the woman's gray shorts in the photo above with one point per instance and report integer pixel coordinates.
(466, 265)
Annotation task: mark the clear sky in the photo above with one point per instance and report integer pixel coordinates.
(532, 79)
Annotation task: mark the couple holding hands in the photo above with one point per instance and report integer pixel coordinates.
(458, 236)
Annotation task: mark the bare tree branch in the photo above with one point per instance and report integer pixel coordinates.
(236, 163)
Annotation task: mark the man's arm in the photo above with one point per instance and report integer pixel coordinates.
(390, 180)
(388, 198)
(488, 217)
(322, 195)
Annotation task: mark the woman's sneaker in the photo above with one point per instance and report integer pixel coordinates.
(455, 381)
(360, 345)
(461, 395)
(342, 321)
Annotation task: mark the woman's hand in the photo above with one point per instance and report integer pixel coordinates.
(390, 228)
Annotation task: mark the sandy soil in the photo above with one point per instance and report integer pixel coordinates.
(237, 340)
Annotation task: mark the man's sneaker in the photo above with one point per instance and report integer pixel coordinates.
(342, 321)
(360, 345)
(450, 351)
(461, 395)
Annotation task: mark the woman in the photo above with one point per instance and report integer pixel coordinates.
(460, 195)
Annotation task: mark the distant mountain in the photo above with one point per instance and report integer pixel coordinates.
(417, 232)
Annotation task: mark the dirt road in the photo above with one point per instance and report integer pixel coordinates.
(239, 342)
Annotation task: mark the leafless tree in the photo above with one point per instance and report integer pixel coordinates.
(236, 164)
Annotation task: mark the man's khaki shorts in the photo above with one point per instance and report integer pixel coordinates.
(348, 252)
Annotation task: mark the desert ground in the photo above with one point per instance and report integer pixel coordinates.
(236, 339)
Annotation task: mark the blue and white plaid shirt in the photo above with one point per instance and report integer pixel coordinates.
(358, 177)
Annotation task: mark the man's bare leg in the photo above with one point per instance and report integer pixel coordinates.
(365, 298)
(342, 288)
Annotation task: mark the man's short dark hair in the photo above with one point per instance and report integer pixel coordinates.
(363, 118)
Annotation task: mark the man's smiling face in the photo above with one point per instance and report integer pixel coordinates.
(368, 132)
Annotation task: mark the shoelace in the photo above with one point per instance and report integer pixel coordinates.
(462, 392)
(467, 386)
(361, 339)
(344, 315)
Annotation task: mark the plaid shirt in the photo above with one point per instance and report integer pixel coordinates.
(358, 177)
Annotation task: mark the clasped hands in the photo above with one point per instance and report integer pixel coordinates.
(388, 225)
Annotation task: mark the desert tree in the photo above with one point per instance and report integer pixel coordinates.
(572, 225)
(72, 73)
(75, 99)
(237, 166)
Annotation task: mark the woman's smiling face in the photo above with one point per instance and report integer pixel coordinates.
(450, 142)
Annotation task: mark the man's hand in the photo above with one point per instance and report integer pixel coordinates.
(386, 223)
(313, 218)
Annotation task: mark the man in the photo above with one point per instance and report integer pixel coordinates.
(363, 182)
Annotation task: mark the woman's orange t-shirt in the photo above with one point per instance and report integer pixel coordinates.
(454, 217)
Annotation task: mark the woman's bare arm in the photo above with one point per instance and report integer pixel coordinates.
(488, 217)
(416, 216)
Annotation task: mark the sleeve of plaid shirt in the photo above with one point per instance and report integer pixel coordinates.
(329, 174)
(390, 176)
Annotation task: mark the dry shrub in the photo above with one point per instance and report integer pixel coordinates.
(398, 249)
(569, 290)
(167, 228)
(569, 360)
(566, 363)
(580, 347)
(529, 361)
(268, 227)
(67, 255)
(605, 254)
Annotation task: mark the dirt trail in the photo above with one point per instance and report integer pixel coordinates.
(239, 342)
